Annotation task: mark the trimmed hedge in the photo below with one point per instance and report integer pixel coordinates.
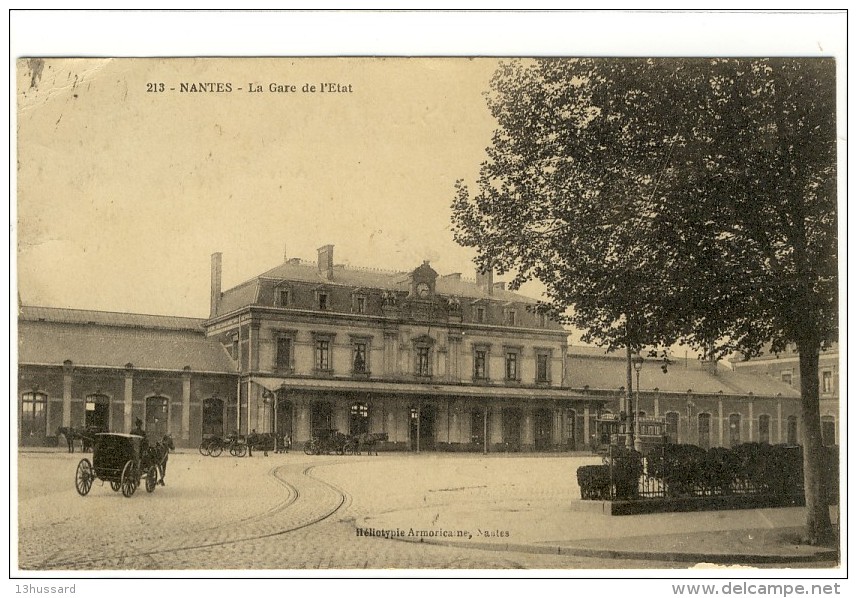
(594, 482)
(686, 470)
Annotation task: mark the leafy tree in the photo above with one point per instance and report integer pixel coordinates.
(665, 201)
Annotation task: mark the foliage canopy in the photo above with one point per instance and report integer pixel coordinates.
(692, 199)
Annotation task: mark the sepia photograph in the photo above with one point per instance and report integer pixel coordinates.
(452, 313)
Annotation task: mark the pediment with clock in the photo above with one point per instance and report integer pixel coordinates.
(422, 282)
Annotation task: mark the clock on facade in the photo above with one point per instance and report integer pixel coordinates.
(423, 290)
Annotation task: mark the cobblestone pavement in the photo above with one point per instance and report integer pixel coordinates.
(283, 512)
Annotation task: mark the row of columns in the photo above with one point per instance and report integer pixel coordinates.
(452, 419)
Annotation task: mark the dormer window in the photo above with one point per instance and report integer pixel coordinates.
(543, 320)
(479, 315)
(511, 317)
(283, 297)
(359, 303)
(323, 300)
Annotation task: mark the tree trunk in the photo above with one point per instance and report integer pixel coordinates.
(819, 530)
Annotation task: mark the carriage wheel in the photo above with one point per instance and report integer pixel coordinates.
(83, 477)
(309, 448)
(205, 448)
(151, 479)
(349, 449)
(130, 479)
(215, 450)
(241, 450)
(115, 486)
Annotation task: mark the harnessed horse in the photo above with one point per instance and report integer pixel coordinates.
(370, 440)
(159, 454)
(87, 440)
(261, 442)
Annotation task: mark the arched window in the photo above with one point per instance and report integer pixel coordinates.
(212, 417)
(672, 426)
(765, 429)
(791, 430)
(157, 417)
(97, 410)
(734, 429)
(34, 421)
(321, 416)
(571, 428)
(359, 420)
(704, 429)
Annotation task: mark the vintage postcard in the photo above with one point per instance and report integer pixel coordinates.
(256, 335)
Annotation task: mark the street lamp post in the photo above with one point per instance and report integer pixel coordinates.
(271, 398)
(638, 365)
(627, 424)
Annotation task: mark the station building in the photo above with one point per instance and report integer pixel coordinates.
(785, 368)
(435, 362)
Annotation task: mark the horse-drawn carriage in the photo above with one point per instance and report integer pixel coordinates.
(239, 446)
(86, 436)
(125, 461)
(330, 440)
(213, 447)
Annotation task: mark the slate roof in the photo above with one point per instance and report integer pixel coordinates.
(593, 367)
(48, 336)
(247, 292)
(108, 318)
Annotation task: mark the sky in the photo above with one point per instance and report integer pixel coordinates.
(123, 194)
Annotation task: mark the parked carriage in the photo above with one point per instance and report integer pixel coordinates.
(214, 446)
(120, 459)
(326, 441)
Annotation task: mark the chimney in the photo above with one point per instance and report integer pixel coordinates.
(485, 280)
(216, 272)
(325, 261)
(295, 261)
(500, 286)
(453, 276)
